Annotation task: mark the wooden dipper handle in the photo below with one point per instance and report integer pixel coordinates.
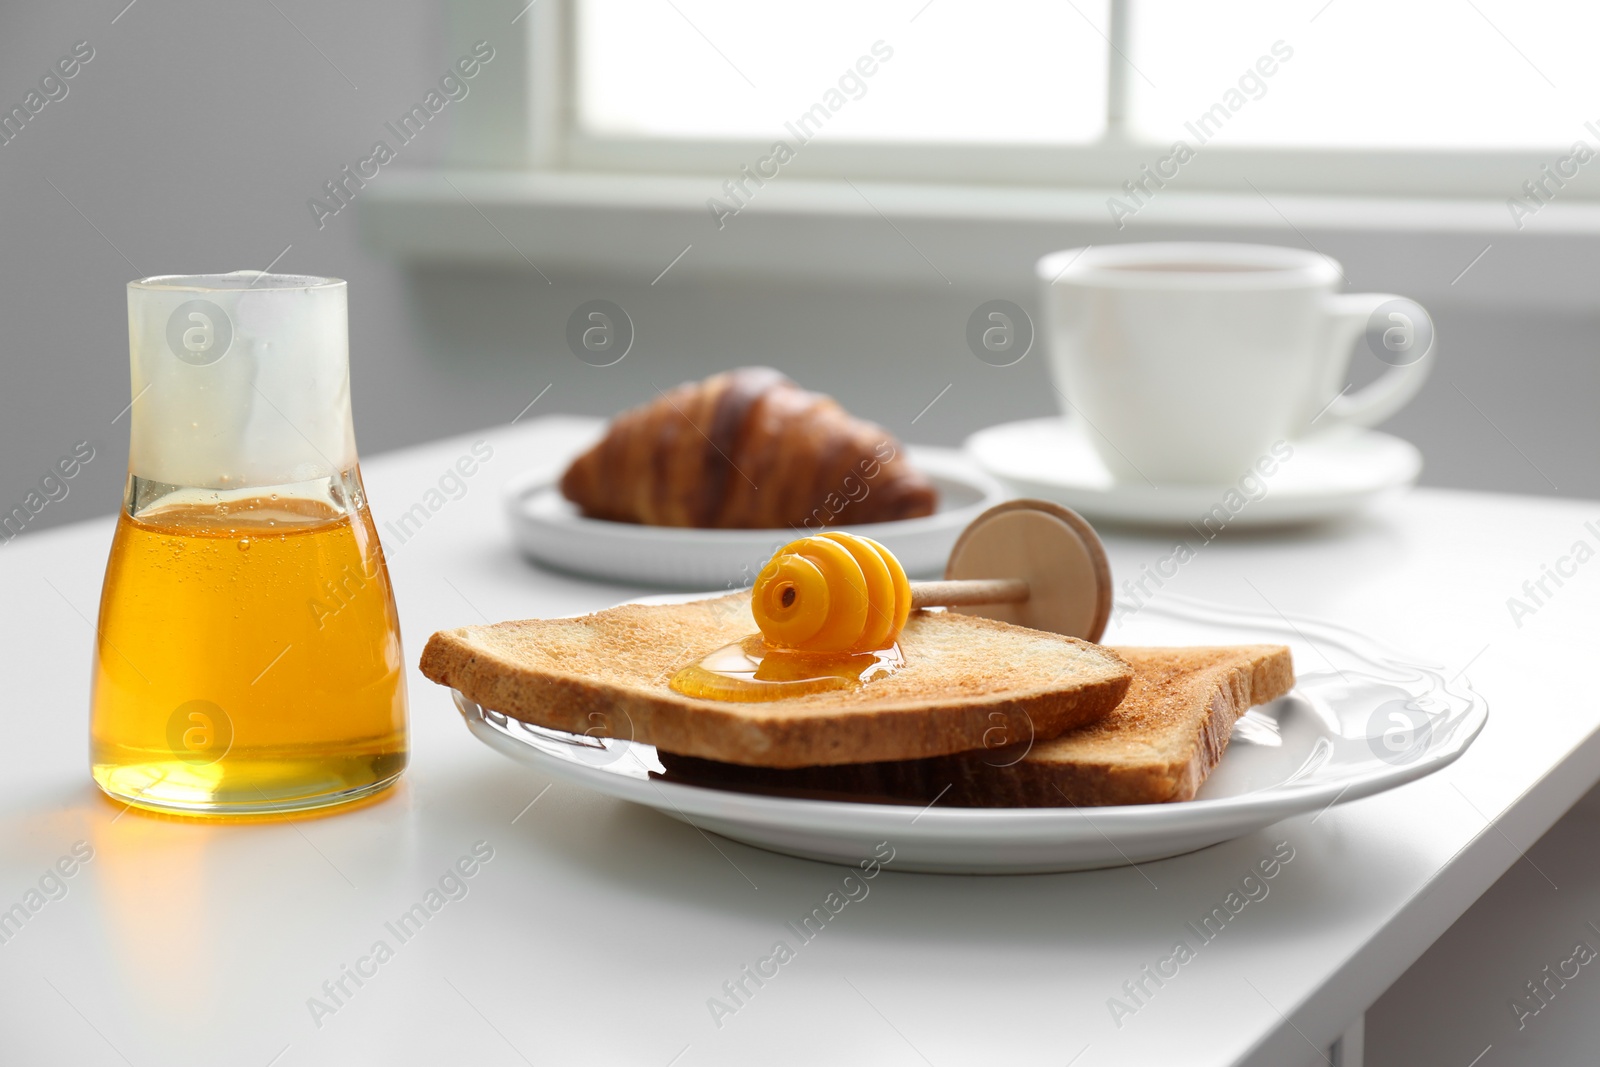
(1031, 563)
(955, 593)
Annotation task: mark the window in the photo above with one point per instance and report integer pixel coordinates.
(1472, 74)
(1029, 72)
(1419, 96)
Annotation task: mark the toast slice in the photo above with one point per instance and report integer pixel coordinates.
(966, 681)
(1158, 745)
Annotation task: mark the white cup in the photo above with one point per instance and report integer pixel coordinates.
(1187, 362)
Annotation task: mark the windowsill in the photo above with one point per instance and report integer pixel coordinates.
(918, 235)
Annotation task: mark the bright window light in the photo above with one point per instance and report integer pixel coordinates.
(1469, 74)
(1019, 71)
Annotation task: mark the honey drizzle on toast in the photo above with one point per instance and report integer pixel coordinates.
(751, 671)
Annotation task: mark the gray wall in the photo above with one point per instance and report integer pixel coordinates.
(194, 137)
(191, 142)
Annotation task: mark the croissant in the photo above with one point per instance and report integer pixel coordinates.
(746, 449)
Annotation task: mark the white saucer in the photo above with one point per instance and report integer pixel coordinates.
(1322, 477)
(550, 530)
(1373, 722)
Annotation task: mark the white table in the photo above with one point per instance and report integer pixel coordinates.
(597, 931)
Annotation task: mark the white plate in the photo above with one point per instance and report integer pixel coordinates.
(1322, 477)
(1359, 721)
(549, 529)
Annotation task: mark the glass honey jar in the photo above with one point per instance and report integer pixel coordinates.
(248, 656)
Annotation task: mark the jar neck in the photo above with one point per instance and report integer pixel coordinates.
(305, 502)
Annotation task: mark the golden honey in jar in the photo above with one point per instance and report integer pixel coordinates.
(248, 658)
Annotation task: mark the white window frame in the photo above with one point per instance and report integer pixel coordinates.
(519, 187)
(561, 146)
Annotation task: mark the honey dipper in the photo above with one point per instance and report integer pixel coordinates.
(1028, 562)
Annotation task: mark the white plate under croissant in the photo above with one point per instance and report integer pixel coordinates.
(550, 530)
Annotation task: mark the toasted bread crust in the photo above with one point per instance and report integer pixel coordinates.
(966, 680)
(1159, 745)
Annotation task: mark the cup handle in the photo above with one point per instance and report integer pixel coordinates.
(1351, 316)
